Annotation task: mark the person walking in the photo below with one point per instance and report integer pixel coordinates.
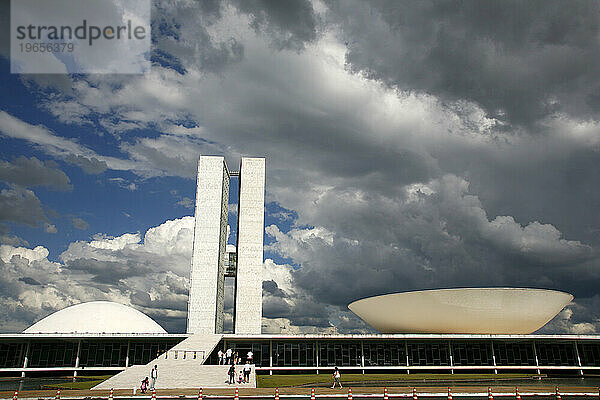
(154, 377)
(250, 356)
(336, 377)
(247, 370)
(220, 356)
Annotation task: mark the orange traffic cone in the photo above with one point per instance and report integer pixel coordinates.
(57, 397)
(490, 396)
(16, 395)
(385, 395)
(415, 394)
(153, 394)
(557, 394)
(110, 395)
(237, 394)
(200, 396)
(517, 395)
(312, 394)
(349, 393)
(449, 394)
(276, 393)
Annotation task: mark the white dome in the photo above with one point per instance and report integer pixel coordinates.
(96, 317)
(468, 310)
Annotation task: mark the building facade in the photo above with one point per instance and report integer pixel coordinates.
(207, 274)
(574, 355)
(211, 261)
(247, 317)
(80, 354)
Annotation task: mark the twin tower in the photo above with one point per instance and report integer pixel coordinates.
(210, 260)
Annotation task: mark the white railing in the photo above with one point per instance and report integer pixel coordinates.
(184, 355)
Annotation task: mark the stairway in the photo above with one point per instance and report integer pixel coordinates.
(182, 375)
(181, 367)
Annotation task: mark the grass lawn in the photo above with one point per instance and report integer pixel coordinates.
(267, 381)
(88, 383)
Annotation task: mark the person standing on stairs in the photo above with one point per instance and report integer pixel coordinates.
(228, 355)
(247, 370)
(231, 374)
(154, 377)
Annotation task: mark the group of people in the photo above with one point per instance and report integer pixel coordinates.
(243, 377)
(231, 358)
(146, 383)
(228, 357)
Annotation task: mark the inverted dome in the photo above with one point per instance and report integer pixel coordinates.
(96, 317)
(469, 310)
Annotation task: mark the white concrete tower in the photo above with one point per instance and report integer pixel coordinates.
(207, 275)
(251, 223)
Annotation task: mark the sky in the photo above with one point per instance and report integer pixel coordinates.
(409, 146)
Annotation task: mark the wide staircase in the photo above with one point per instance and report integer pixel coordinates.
(181, 367)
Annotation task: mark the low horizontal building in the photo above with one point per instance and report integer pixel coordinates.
(92, 354)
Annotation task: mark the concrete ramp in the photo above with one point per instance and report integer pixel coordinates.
(179, 376)
(181, 367)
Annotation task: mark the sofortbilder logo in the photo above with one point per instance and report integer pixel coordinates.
(80, 36)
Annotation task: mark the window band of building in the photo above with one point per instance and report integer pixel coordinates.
(36, 356)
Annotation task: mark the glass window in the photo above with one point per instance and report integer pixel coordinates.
(556, 353)
(293, 354)
(380, 353)
(142, 352)
(589, 353)
(428, 353)
(103, 354)
(52, 354)
(342, 354)
(514, 353)
(472, 353)
(12, 355)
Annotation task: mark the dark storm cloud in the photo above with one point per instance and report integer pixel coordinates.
(180, 37)
(275, 308)
(309, 313)
(531, 184)
(28, 172)
(21, 206)
(29, 281)
(271, 288)
(11, 240)
(171, 303)
(436, 240)
(290, 23)
(520, 60)
(108, 272)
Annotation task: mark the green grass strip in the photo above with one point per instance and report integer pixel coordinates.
(269, 381)
(88, 383)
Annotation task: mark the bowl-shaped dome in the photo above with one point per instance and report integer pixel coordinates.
(96, 317)
(469, 310)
